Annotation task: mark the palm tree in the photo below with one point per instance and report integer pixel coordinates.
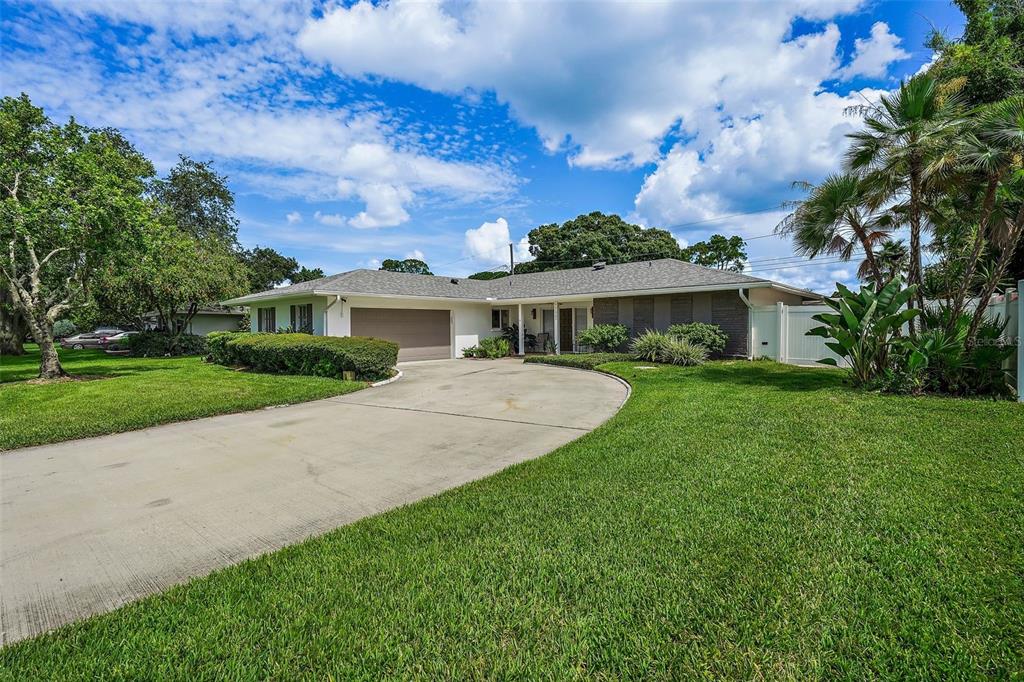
(999, 154)
(892, 258)
(990, 150)
(834, 220)
(906, 152)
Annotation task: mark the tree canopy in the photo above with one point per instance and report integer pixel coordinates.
(410, 265)
(71, 196)
(172, 274)
(989, 57)
(985, 65)
(266, 267)
(594, 237)
(489, 274)
(305, 274)
(724, 253)
(198, 201)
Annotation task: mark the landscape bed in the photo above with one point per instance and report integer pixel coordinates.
(114, 393)
(735, 519)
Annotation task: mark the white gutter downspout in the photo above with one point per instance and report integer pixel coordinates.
(337, 298)
(750, 323)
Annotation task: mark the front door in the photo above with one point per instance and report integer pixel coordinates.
(565, 329)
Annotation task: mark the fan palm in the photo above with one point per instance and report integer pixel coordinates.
(834, 219)
(991, 150)
(1001, 132)
(907, 151)
(892, 258)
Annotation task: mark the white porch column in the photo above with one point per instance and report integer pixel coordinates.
(522, 332)
(558, 331)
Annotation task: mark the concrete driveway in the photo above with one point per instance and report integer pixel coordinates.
(89, 525)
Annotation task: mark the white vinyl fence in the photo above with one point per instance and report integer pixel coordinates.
(780, 331)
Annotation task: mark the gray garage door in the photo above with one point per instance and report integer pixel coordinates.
(420, 334)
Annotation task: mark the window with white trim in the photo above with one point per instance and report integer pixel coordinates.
(500, 318)
(266, 319)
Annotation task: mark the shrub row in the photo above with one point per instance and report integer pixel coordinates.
(161, 344)
(326, 356)
(581, 361)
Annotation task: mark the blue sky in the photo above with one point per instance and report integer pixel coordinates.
(354, 132)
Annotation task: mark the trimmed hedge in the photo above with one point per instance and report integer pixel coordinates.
(325, 356)
(581, 360)
(162, 344)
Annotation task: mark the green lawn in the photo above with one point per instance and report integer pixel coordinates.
(132, 393)
(736, 520)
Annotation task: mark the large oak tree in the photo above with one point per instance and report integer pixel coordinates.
(71, 196)
(594, 237)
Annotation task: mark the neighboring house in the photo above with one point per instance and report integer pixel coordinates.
(437, 317)
(216, 318)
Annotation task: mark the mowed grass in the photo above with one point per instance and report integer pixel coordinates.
(123, 393)
(736, 520)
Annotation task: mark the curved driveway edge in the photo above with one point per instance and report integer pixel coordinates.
(89, 525)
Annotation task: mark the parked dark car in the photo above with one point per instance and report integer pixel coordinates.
(93, 339)
(116, 341)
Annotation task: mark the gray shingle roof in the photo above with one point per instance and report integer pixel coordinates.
(666, 273)
(379, 282)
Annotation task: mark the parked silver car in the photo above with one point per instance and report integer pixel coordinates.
(116, 341)
(93, 339)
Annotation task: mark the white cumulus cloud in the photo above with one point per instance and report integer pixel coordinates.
(384, 206)
(488, 244)
(293, 217)
(873, 55)
(334, 219)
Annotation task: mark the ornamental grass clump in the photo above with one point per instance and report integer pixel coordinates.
(654, 346)
(650, 346)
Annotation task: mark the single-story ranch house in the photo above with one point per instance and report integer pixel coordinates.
(437, 317)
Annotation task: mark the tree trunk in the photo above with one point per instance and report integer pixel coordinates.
(914, 274)
(12, 334)
(1000, 271)
(49, 361)
(962, 291)
(869, 254)
(12, 326)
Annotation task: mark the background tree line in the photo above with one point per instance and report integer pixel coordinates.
(595, 237)
(89, 232)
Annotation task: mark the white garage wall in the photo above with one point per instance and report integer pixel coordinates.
(470, 321)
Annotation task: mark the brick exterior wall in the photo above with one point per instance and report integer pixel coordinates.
(643, 314)
(606, 311)
(724, 308)
(682, 308)
(730, 313)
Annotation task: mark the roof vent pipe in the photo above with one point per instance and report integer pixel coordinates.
(599, 265)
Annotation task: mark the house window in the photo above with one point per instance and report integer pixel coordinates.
(302, 318)
(266, 320)
(499, 318)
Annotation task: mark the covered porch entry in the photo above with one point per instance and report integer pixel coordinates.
(550, 326)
